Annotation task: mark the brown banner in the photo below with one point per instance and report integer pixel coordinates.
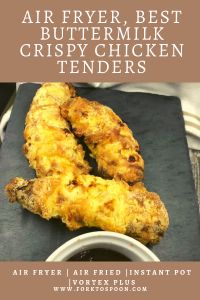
(100, 40)
(72, 280)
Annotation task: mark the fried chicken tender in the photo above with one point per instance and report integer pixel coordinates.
(51, 147)
(91, 201)
(109, 139)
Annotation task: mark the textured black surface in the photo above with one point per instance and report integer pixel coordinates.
(157, 123)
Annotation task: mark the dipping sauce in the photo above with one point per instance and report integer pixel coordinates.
(98, 254)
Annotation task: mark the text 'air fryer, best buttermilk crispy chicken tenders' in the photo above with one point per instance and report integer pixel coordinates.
(51, 147)
(94, 202)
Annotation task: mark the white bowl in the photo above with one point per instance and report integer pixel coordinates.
(123, 244)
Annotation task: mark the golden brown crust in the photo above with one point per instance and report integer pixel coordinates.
(91, 201)
(110, 140)
(63, 190)
(51, 147)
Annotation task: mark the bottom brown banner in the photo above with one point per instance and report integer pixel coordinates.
(107, 280)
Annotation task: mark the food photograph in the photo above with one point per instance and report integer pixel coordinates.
(96, 172)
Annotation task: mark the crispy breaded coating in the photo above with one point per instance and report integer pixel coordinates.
(91, 201)
(51, 147)
(109, 139)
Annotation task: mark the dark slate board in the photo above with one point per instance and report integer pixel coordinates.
(157, 123)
